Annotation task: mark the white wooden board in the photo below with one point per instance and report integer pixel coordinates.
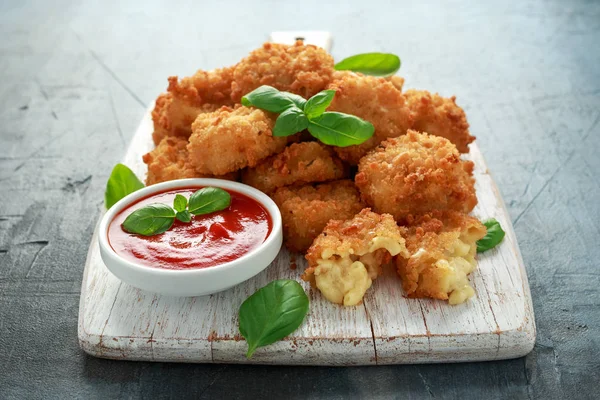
(119, 321)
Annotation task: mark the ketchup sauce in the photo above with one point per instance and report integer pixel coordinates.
(206, 241)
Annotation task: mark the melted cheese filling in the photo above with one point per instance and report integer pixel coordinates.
(345, 278)
(453, 272)
(342, 281)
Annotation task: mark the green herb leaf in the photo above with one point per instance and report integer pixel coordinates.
(492, 238)
(179, 203)
(184, 216)
(316, 105)
(299, 101)
(122, 181)
(289, 122)
(208, 199)
(272, 313)
(150, 220)
(339, 129)
(376, 64)
(268, 98)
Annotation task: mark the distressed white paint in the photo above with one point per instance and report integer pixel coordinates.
(120, 321)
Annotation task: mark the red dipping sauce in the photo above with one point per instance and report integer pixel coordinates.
(208, 240)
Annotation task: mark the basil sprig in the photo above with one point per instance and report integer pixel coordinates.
(492, 238)
(376, 64)
(297, 114)
(122, 181)
(158, 218)
(272, 313)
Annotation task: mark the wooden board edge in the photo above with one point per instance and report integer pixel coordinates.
(524, 335)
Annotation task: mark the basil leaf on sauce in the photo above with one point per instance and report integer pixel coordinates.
(339, 129)
(289, 122)
(376, 64)
(272, 313)
(122, 181)
(492, 238)
(184, 216)
(179, 203)
(268, 98)
(207, 200)
(152, 219)
(316, 105)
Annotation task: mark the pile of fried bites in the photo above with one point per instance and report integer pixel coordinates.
(401, 197)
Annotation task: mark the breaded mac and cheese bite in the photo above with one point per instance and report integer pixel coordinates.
(414, 174)
(169, 161)
(301, 69)
(373, 99)
(175, 111)
(439, 116)
(442, 248)
(348, 255)
(230, 139)
(299, 163)
(306, 210)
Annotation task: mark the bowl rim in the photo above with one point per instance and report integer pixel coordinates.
(131, 198)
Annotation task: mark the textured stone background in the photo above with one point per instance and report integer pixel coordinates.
(76, 78)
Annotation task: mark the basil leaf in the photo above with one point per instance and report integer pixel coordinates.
(268, 98)
(184, 216)
(316, 105)
(122, 181)
(376, 64)
(289, 122)
(150, 220)
(179, 203)
(208, 199)
(492, 238)
(299, 101)
(272, 313)
(339, 129)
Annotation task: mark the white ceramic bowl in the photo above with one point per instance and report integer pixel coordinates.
(192, 282)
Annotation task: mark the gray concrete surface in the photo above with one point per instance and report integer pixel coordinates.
(75, 79)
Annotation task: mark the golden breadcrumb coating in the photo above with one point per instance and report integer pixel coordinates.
(301, 69)
(439, 116)
(373, 99)
(227, 140)
(299, 163)
(397, 81)
(442, 248)
(414, 174)
(346, 258)
(185, 99)
(169, 161)
(305, 210)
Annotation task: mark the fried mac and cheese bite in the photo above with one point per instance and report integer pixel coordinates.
(373, 99)
(301, 69)
(439, 116)
(230, 139)
(305, 210)
(348, 255)
(169, 161)
(175, 111)
(299, 163)
(414, 174)
(442, 247)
